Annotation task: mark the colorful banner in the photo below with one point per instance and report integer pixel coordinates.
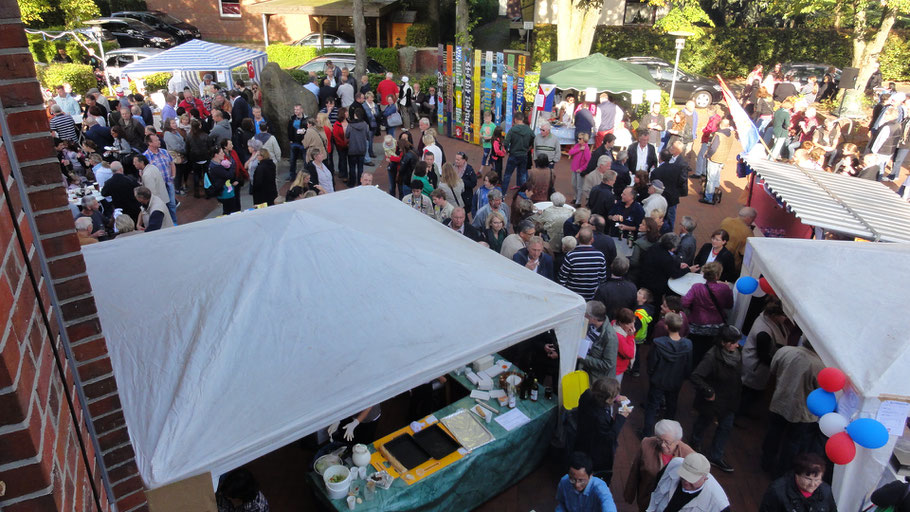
(450, 90)
(509, 102)
(488, 82)
(478, 119)
(467, 94)
(746, 130)
(497, 86)
(459, 114)
(520, 88)
(440, 73)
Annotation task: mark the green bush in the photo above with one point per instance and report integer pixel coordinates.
(157, 81)
(288, 56)
(420, 35)
(80, 76)
(895, 57)
(42, 51)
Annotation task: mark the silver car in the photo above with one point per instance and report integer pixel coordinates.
(122, 57)
(328, 40)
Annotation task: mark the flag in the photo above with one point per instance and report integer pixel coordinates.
(745, 128)
(546, 96)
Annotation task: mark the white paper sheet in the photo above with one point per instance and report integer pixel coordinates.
(512, 419)
(583, 347)
(893, 415)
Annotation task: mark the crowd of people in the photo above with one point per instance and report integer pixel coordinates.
(616, 244)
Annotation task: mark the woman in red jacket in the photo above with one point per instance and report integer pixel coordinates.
(341, 142)
(624, 325)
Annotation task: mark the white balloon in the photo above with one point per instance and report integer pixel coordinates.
(832, 423)
(758, 293)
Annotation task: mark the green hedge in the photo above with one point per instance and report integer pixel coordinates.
(725, 51)
(895, 57)
(80, 76)
(420, 35)
(288, 56)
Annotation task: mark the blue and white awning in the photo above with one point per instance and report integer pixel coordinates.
(198, 55)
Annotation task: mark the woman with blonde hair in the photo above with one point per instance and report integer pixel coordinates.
(322, 121)
(495, 232)
(264, 188)
(452, 185)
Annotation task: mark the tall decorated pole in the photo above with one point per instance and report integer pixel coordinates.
(459, 114)
(468, 93)
(520, 88)
(450, 90)
(440, 87)
(509, 104)
(500, 72)
(488, 83)
(478, 119)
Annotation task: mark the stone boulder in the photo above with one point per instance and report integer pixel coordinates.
(280, 92)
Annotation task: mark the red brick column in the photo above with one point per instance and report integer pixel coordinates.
(42, 460)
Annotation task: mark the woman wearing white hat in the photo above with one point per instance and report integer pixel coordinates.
(688, 486)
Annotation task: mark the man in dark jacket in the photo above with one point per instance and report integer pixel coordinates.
(785, 89)
(673, 177)
(240, 109)
(669, 364)
(119, 188)
(602, 198)
(660, 264)
(534, 259)
(642, 156)
(617, 292)
(296, 129)
(605, 148)
(603, 242)
(457, 222)
(518, 143)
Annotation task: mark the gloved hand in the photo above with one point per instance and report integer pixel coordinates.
(349, 430)
(332, 428)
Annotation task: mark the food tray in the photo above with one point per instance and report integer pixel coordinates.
(467, 429)
(436, 442)
(408, 452)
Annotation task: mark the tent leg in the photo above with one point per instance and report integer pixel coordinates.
(265, 29)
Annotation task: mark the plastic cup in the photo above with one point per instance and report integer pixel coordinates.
(352, 501)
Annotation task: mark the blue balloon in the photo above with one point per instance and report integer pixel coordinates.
(868, 433)
(746, 285)
(821, 402)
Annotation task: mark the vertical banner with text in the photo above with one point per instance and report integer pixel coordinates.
(468, 93)
(477, 120)
(459, 115)
(440, 88)
(497, 86)
(520, 88)
(450, 91)
(488, 82)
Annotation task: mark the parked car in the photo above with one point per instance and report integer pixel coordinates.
(804, 70)
(343, 60)
(122, 57)
(703, 91)
(164, 22)
(328, 40)
(131, 33)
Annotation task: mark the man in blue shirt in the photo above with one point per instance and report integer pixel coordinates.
(580, 492)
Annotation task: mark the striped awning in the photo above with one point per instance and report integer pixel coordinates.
(835, 202)
(198, 55)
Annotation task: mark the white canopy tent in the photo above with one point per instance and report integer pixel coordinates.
(241, 334)
(197, 55)
(845, 297)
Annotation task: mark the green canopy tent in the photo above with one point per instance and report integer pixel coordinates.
(597, 72)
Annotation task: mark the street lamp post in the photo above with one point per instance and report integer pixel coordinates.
(680, 44)
(98, 37)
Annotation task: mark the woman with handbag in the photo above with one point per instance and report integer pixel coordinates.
(198, 153)
(391, 115)
(718, 384)
(218, 183)
(706, 304)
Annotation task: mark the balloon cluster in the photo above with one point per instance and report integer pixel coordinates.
(843, 435)
(748, 285)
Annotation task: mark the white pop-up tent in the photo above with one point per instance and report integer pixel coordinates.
(234, 336)
(198, 55)
(847, 299)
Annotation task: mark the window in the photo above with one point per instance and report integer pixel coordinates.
(639, 12)
(229, 9)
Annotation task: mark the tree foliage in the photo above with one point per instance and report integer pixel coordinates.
(71, 13)
(685, 17)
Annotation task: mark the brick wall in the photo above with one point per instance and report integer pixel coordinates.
(206, 16)
(41, 460)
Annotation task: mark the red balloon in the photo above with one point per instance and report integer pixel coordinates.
(840, 448)
(766, 287)
(832, 379)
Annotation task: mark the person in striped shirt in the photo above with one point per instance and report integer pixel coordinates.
(62, 123)
(584, 268)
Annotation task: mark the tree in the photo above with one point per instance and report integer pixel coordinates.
(33, 11)
(360, 39)
(74, 11)
(576, 21)
(49, 12)
(463, 23)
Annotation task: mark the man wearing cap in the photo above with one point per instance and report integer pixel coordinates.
(656, 200)
(688, 486)
(578, 491)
